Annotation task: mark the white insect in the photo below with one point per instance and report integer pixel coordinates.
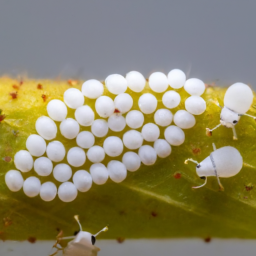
(237, 101)
(224, 162)
(81, 244)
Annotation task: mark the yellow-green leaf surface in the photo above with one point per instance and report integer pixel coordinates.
(155, 202)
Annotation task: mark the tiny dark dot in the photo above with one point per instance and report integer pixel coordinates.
(208, 239)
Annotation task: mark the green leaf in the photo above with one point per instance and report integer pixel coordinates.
(155, 202)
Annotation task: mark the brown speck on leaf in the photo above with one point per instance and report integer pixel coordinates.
(14, 95)
(196, 151)
(2, 117)
(39, 86)
(177, 175)
(7, 159)
(7, 221)
(32, 239)
(153, 214)
(208, 132)
(117, 111)
(120, 240)
(208, 239)
(72, 82)
(15, 133)
(16, 87)
(122, 212)
(44, 97)
(248, 187)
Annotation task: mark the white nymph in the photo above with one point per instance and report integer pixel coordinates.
(237, 101)
(224, 162)
(82, 244)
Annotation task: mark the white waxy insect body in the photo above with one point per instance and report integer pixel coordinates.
(84, 115)
(14, 180)
(123, 102)
(96, 154)
(46, 127)
(117, 171)
(48, 191)
(195, 105)
(99, 173)
(147, 155)
(82, 180)
(43, 166)
(73, 98)
(31, 186)
(147, 103)
(104, 106)
(36, 145)
(62, 172)
(171, 99)
(132, 139)
(158, 82)
(23, 161)
(57, 110)
(184, 119)
(224, 162)
(76, 157)
(136, 81)
(131, 161)
(69, 128)
(194, 86)
(134, 119)
(116, 83)
(55, 151)
(176, 78)
(92, 89)
(67, 192)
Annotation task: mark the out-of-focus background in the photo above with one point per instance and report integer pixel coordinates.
(212, 40)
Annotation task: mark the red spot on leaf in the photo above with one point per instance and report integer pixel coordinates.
(2, 117)
(248, 187)
(7, 159)
(44, 97)
(117, 111)
(14, 95)
(32, 239)
(15, 87)
(39, 86)
(208, 239)
(153, 214)
(72, 82)
(177, 175)
(196, 151)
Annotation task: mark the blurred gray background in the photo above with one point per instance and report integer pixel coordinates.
(211, 40)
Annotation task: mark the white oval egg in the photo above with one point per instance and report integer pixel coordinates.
(194, 86)
(136, 81)
(56, 151)
(150, 132)
(76, 157)
(163, 117)
(117, 171)
(82, 180)
(147, 103)
(23, 161)
(31, 186)
(104, 106)
(14, 180)
(62, 172)
(174, 135)
(85, 139)
(238, 98)
(116, 122)
(92, 89)
(176, 78)
(73, 98)
(99, 173)
(132, 139)
(96, 154)
(131, 161)
(46, 127)
(123, 102)
(134, 119)
(36, 145)
(184, 120)
(116, 83)
(158, 82)
(67, 192)
(69, 128)
(57, 110)
(48, 191)
(113, 146)
(43, 166)
(171, 99)
(195, 105)
(99, 128)
(84, 115)
(147, 155)
(162, 148)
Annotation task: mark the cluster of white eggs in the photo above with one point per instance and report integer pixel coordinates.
(114, 115)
